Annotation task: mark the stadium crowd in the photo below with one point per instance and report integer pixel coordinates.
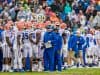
(49, 35)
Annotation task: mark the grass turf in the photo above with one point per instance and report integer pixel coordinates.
(84, 71)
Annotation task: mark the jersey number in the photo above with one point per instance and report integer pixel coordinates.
(25, 35)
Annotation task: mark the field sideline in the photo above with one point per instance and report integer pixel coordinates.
(83, 71)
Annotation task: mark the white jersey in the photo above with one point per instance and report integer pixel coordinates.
(25, 36)
(7, 33)
(5, 47)
(27, 47)
(33, 32)
(91, 40)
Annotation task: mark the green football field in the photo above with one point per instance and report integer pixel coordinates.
(85, 71)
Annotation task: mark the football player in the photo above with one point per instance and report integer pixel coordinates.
(7, 48)
(91, 47)
(27, 49)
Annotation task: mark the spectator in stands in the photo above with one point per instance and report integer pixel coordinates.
(12, 12)
(82, 18)
(40, 10)
(67, 8)
(96, 21)
(50, 2)
(21, 14)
